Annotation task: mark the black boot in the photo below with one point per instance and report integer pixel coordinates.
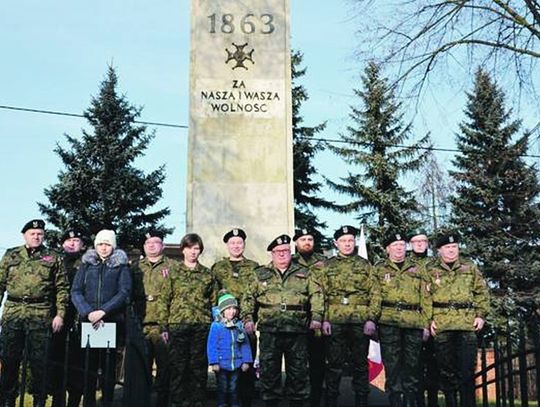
(162, 399)
(39, 401)
(395, 399)
(410, 400)
(450, 399)
(360, 400)
(330, 402)
(432, 398)
(74, 399)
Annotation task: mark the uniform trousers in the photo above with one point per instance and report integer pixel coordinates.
(273, 347)
(347, 344)
(456, 357)
(188, 364)
(400, 349)
(34, 334)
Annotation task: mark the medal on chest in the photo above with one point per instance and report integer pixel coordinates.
(235, 274)
(437, 278)
(387, 277)
(165, 272)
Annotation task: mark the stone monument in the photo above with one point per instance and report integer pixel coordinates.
(240, 165)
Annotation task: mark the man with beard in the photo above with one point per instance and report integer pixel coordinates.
(306, 256)
(73, 246)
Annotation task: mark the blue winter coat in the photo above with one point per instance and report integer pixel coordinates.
(224, 349)
(102, 285)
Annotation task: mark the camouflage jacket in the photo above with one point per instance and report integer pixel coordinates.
(351, 292)
(187, 297)
(71, 263)
(406, 301)
(315, 260)
(460, 294)
(282, 300)
(239, 279)
(149, 282)
(36, 284)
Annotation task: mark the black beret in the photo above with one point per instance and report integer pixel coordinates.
(447, 238)
(281, 239)
(416, 232)
(234, 232)
(33, 224)
(302, 232)
(345, 230)
(154, 233)
(72, 233)
(393, 236)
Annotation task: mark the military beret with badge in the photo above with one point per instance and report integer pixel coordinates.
(416, 232)
(234, 233)
(447, 237)
(393, 236)
(33, 224)
(71, 234)
(281, 239)
(302, 232)
(345, 230)
(154, 233)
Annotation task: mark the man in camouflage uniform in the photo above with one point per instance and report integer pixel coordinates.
(184, 316)
(352, 301)
(460, 304)
(150, 280)
(404, 320)
(236, 275)
(37, 293)
(306, 256)
(73, 246)
(419, 243)
(282, 298)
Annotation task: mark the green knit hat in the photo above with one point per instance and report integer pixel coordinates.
(226, 301)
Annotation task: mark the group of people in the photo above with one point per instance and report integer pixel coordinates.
(316, 313)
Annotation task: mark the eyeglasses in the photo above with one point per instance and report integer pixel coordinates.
(282, 251)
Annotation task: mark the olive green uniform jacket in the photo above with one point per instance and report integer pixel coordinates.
(187, 297)
(406, 301)
(150, 281)
(239, 279)
(460, 294)
(282, 300)
(351, 293)
(38, 279)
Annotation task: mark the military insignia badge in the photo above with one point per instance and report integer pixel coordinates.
(398, 237)
(387, 277)
(437, 279)
(451, 239)
(264, 283)
(165, 272)
(235, 274)
(235, 232)
(345, 300)
(35, 224)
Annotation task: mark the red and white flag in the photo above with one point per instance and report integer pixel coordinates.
(374, 353)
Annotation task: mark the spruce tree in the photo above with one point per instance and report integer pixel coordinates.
(99, 186)
(373, 148)
(496, 203)
(306, 188)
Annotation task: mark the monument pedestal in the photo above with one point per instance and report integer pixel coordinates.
(240, 135)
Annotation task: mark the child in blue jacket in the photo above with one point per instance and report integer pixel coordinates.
(228, 350)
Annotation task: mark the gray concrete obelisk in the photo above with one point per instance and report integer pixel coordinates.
(240, 131)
